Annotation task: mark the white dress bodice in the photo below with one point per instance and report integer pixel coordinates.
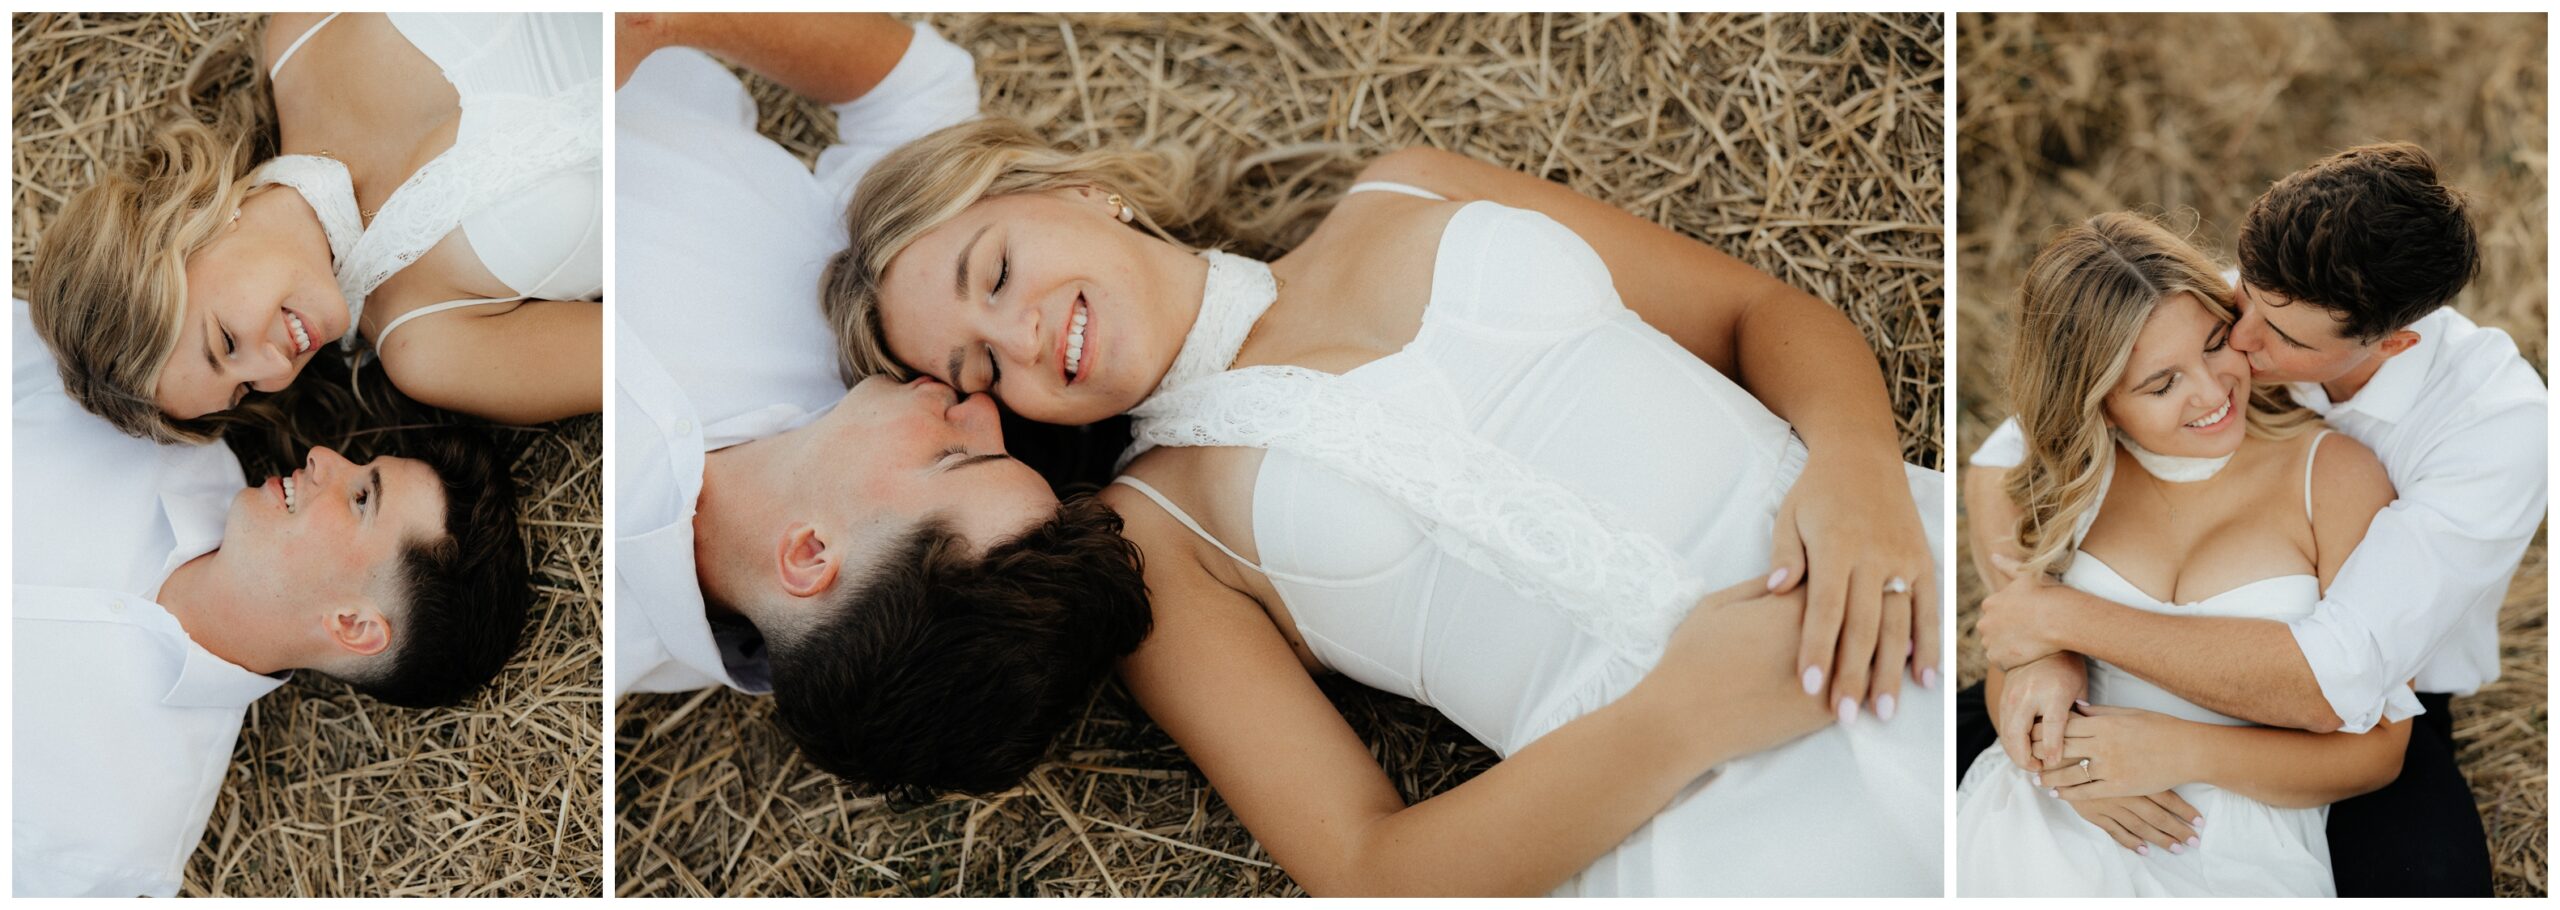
(523, 179)
(2014, 841)
(1525, 347)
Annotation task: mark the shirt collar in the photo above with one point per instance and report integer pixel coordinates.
(208, 681)
(2394, 387)
(196, 518)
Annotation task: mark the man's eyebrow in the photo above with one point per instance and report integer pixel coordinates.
(2289, 339)
(952, 369)
(377, 491)
(975, 459)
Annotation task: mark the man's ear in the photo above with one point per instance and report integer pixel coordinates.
(807, 564)
(2393, 344)
(359, 628)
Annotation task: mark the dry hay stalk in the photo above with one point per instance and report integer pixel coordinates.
(1808, 146)
(330, 793)
(2062, 117)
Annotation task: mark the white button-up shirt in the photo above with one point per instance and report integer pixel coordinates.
(2458, 420)
(122, 725)
(721, 239)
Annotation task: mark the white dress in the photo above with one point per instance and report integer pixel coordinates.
(1526, 347)
(2014, 841)
(523, 180)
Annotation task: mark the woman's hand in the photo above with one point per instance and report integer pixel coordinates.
(2140, 822)
(2111, 752)
(1846, 533)
(1728, 673)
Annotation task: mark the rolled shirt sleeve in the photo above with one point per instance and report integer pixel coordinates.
(2006, 448)
(2446, 548)
(934, 85)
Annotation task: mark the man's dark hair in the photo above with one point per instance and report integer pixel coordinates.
(2366, 234)
(467, 591)
(945, 670)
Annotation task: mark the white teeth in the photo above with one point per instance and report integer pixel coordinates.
(289, 504)
(301, 336)
(1075, 343)
(2213, 418)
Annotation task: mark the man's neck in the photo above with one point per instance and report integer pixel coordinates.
(193, 595)
(2352, 381)
(726, 520)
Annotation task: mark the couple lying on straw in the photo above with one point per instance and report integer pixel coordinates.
(1629, 511)
(2198, 648)
(440, 173)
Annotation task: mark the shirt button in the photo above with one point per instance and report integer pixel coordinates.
(115, 605)
(684, 426)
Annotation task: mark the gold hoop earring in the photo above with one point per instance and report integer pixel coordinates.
(1121, 209)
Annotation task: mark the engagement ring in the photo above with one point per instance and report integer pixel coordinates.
(1897, 585)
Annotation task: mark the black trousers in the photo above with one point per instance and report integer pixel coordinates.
(2418, 837)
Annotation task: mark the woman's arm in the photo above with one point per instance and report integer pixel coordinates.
(535, 362)
(1841, 531)
(1219, 678)
(2132, 751)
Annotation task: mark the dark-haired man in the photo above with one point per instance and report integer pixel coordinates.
(922, 607)
(2346, 270)
(156, 595)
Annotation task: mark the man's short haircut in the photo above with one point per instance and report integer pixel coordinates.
(467, 592)
(944, 670)
(2366, 234)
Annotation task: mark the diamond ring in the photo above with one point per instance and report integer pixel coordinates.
(1897, 585)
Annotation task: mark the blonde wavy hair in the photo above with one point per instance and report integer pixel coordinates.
(2084, 301)
(926, 183)
(108, 288)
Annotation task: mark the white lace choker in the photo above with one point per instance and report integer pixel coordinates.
(2173, 468)
(1234, 297)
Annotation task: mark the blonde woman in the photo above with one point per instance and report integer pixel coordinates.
(437, 203)
(2218, 506)
(1475, 441)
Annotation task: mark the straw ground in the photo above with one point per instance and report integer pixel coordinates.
(2062, 117)
(1806, 145)
(330, 793)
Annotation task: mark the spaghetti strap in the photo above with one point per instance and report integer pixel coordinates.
(1390, 186)
(383, 336)
(1185, 517)
(297, 45)
(2308, 460)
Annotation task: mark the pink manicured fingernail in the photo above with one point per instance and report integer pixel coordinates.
(2039, 780)
(1777, 578)
(2144, 849)
(1848, 710)
(1884, 707)
(2177, 848)
(2191, 840)
(2198, 821)
(1929, 678)
(2082, 702)
(1813, 680)
(2057, 794)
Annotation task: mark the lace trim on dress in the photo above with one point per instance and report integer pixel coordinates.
(527, 139)
(1476, 500)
